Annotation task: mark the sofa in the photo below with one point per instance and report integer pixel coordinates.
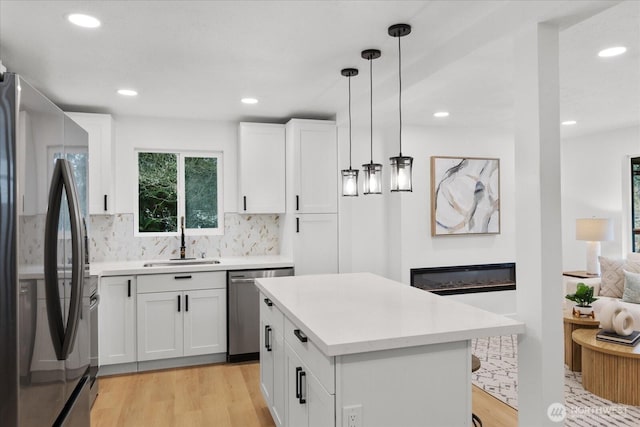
(612, 285)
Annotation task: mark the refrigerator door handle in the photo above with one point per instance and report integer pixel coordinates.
(63, 338)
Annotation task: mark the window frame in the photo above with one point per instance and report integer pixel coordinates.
(181, 208)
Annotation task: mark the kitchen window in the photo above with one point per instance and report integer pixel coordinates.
(175, 185)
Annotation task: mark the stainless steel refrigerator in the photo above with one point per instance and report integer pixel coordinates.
(44, 305)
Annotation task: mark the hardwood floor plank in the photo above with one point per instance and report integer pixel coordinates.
(492, 411)
(221, 395)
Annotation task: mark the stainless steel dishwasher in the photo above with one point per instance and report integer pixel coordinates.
(243, 308)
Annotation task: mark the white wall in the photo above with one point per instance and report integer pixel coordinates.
(159, 133)
(391, 233)
(419, 248)
(594, 179)
(362, 219)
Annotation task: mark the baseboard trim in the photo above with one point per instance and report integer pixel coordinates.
(117, 369)
(152, 365)
(181, 362)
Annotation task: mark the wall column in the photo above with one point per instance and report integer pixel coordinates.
(538, 224)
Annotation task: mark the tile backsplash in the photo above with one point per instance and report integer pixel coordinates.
(111, 238)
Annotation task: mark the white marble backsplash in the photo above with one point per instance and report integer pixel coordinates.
(111, 238)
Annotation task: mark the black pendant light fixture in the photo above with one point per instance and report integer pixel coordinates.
(349, 176)
(400, 165)
(372, 172)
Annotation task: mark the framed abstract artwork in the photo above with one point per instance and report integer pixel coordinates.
(465, 196)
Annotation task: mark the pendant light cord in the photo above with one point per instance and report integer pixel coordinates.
(400, 92)
(371, 105)
(349, 122)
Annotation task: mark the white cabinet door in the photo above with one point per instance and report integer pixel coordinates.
(308, 403)
(261, 168)
(297, 413)
(315, 247)
(321, 404)
(272, 360)
(277, 350)
(101, 161)
(266, 360)
(315, 165)
(117, 320)
(160, 325)
(205, 322)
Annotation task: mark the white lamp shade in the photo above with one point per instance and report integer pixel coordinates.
(350, 182)
(594, 229)
(372, 178)
(401, 173)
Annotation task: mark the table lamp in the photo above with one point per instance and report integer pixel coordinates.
(594, 231)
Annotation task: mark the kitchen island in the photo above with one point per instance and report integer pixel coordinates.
(359, 349)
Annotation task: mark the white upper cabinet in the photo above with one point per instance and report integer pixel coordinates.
(315, 170)
(101, 161)
(261, 168)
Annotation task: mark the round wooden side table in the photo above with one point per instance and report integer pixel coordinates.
(609, 370)
(572, 351)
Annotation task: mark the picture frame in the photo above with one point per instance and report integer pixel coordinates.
(465, 195)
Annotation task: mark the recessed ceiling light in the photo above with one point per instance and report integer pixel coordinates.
(441, 114)
(127, 92)
(612, 51)
(85, 21)
(569, 123)
(249, 101)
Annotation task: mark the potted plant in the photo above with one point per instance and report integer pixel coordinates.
(583, 299)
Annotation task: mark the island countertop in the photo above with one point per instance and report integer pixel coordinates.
(362, 312)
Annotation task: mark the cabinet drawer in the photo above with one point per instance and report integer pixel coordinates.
(322, 366)
(169, 282)
(271, 314)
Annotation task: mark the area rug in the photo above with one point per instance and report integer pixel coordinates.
(498, 376)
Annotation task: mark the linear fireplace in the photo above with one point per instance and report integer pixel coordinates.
(465, 279)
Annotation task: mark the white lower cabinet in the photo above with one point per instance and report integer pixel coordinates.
(160, 325)
(181, 315)
(308, 403)
(272, 354)
(205, 325)
(117, 313)
(289, 371)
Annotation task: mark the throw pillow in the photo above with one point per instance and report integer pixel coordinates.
(612, 273)
(633, 256)
(631, 287)
(632, 266)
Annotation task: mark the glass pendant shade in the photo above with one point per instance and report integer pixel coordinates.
(349, 176)
(372, 178)
(401, 167)
(372, 172)
(349, 182)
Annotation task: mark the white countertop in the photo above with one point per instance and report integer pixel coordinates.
(362, 312)
(226, 263)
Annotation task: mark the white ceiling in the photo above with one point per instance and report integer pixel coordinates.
(196, 59)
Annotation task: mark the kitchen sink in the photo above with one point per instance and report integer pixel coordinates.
(174, 262)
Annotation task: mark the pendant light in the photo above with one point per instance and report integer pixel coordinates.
(372, 172)
(400, 165)
(349, 176)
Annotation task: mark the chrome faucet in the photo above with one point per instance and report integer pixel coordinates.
(183, 248)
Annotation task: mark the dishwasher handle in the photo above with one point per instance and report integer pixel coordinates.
(241, 280)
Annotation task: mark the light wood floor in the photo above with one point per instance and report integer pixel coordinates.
(222, 395)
